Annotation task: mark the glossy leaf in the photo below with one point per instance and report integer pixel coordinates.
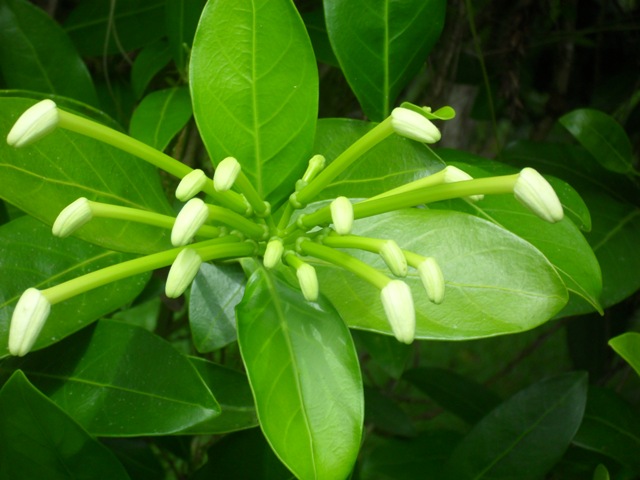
(45, 177)
(39, 440)
(147, 64)
(627, 346)
(602, 136)
(461, 396)
(305, 378)
(182, 19)
(32, 257)
(160, 116)
(536, 423)
(215, 292)
(36, 54)
(119, 380)
(97, 29)
(254, 86)
(496, 283)
(391, 163)
(381, 45)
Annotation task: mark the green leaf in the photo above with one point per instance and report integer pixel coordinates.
(98, 29)
(119, 380)
(317, 29)
(160, 116)
(602, 136)
(41, 441)
(45, 177)
(496, 283)
(627, 346)
(182, 19)
(36, 54)
(601, 473)
(382, 413)
(525, 436)
(254, 86)
(136, 456)
(390, 354)
(32, 257)
(611, 427)
(381, 45)
(393, 162)
(232, 392)
(463, 397)
(215, 292)
(147, 64)
(305, 378)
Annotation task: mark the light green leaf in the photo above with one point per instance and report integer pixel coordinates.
(627, 346)
(381, 45)
(119, 380)
(304, 373)
(254, 86)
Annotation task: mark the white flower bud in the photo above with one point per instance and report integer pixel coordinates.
(308, 282)
(454, 174)
(535, 193)
(190, 185)
(74, 216)
(432, 279)
(410, 124)
(182, 272)
(398, 306)
(38, 121)
(392, 255)
(225, 175)
(273, 253)
(342, 215)
(27, 321)
(189, 220)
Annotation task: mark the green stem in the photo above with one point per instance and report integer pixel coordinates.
(429, 181)
(245, 187)
(234, 220)
(353, 241)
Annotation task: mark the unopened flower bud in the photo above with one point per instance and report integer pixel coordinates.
(432, 279)
(190, 185)
(535, 193)
(454, 174)
(226, 173)
(410, 124)
(27, 321)
(38, 121)
(273, 253)
(398, 306)
(392, 255)
(74, 216)
(342, 215)
(308, 282)
(182, 272)
(189, 220)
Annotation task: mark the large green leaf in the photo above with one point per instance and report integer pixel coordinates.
(119, 380)
(31, 257)
(304, 373)
(382, 44)
(525, 436)
(496, 283)
(254, 86)
(45, 177)
(36, 54)
(627, 346)
(39, 440)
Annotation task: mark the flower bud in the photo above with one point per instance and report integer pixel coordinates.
(410, 124)
(38, 121)
(342, 215)
(454, 174)
(190, 185)
(189, 220)
(27, 321)
(225, 175)
(392, 255)
(308, 282)
(432, 279)
(273, 253)
(398, 306)
(535, 193)
(74, 216)
(182, 272)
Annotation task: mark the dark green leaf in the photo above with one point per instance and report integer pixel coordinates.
(149, 62)
(382, 45)
(317, 29)
(627, 346)
(136, 457)
(41, 441)
(182, 19)
(390, 354)
(304, 373)
(36, 54)
(160, 116)
(254, 86)
(525, 436)
(385, 415)
(119, 380)
(31, 257)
